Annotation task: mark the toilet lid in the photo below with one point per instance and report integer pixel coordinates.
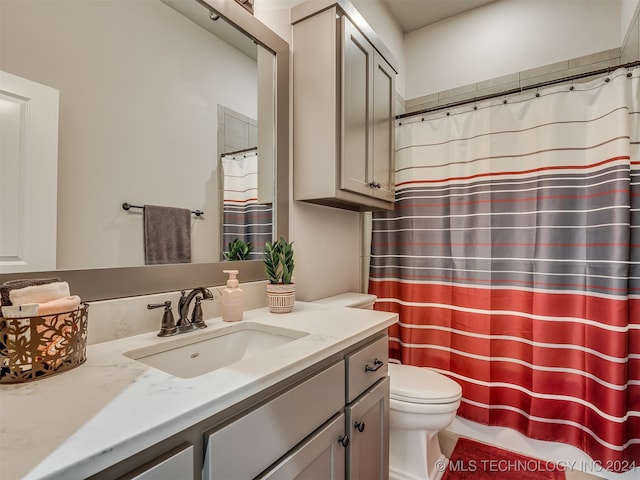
(420, 385)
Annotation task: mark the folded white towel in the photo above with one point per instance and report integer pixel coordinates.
(9, 285)
(20, 311)
(39, 293)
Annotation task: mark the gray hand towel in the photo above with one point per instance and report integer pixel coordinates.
(6, 287)
(167, 235)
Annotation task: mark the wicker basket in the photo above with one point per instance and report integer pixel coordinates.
(32, 348)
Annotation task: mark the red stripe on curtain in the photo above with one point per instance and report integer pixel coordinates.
(493, 201)
(515, 172)
(592, 308)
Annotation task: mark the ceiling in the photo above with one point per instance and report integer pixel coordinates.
(414, 14)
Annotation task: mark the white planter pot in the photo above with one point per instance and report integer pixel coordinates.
(281, 297)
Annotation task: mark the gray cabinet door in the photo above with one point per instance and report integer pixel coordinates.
(179, 465)
(356, 114)
(383, 129)
(368, 430)
(321, 457)
(367, 116)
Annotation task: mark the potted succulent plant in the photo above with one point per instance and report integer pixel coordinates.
(237, 250)
(279, 265)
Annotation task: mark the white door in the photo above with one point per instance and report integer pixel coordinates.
(28, 174)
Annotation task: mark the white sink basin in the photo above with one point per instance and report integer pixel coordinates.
(194, 354)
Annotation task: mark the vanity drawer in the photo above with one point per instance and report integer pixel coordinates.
(247, 446)
(366, 366)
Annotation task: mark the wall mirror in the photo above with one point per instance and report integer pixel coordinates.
(174, 68)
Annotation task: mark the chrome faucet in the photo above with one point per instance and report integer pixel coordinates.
(184, 324)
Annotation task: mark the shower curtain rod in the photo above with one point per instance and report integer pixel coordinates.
(244, 150)
(518, 90)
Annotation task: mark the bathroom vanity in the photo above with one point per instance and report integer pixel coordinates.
(316, 404)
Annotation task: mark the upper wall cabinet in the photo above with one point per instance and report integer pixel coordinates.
(343, 109)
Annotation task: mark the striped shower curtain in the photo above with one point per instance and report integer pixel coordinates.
(243, 217)
(513, 260)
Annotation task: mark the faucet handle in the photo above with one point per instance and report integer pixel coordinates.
(196, 317)
(166, 305)
(183, 298)
(168, 327)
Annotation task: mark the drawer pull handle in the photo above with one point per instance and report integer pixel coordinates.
(359, 426)
(376, 366)
(344, 440)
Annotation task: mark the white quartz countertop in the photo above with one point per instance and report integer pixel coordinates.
(82, 421)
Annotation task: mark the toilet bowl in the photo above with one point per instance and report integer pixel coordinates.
(422, 403)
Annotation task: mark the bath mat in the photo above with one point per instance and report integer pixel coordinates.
(472, 460)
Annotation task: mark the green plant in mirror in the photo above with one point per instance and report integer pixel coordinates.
(278, 261)
(238, 250)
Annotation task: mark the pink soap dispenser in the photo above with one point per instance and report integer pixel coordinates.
(232, 298)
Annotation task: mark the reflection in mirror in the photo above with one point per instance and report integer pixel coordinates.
(247, 217)
(140, 84)
(105, 283)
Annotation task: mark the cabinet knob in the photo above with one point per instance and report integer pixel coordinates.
(375, 185)
(344, 440)
(377, 364)
(359, 426)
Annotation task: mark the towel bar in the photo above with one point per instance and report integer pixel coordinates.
(127, 206)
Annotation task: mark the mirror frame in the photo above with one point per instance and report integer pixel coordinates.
(109, 283)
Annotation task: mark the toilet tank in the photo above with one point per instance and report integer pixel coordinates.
(363, 301)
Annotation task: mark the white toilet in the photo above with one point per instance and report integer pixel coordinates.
(423, 403)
